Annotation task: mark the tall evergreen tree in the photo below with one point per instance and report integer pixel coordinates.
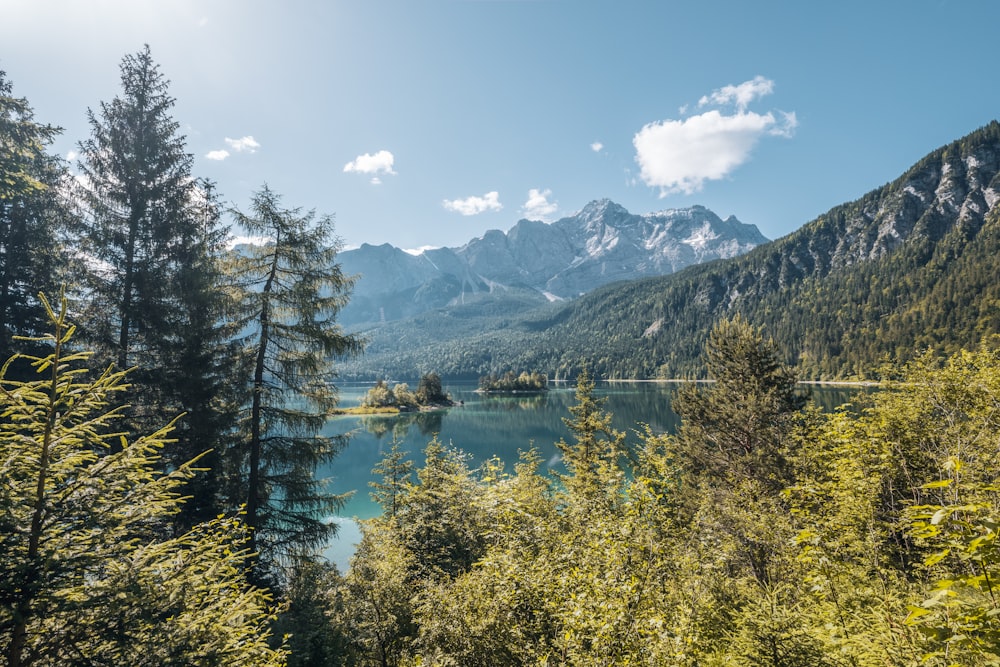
(395, 471)
(734, 443)
(156, 233)
(287, 294)
(33, 217)
(738, 426)
(196, 348)
(593, 460)
(138, 194)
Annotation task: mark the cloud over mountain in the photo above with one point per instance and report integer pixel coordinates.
(474, 205)
(538, 206)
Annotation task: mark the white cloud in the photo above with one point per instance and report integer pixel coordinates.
(597, 146)
(420, 250)
(245, 144)
(376, 180)
(538, 206)
(234, 241)
(785, 128)
(681, 155)
(379, 163)
(741, 95)
(71, 155)
(217, 155)
(474, 205)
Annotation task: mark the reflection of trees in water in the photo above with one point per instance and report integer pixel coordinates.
(429, 423)
(518, 401)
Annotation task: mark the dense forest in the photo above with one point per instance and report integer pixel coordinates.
(162, 400)
(910, 266)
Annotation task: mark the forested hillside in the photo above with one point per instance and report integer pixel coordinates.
(908, 267)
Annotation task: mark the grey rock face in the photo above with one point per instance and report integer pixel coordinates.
(600, 244)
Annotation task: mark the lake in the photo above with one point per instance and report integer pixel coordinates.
(487, 426)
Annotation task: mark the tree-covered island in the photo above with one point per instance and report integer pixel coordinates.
(509, 383)
(384, 397)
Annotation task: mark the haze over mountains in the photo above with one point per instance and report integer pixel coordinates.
(910, 266)
(600, 244)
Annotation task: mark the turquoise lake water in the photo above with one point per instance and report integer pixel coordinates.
(487, 426)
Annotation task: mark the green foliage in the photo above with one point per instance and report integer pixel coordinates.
(429, 393)
(763, 533)
(593, 460)
(403, 397)
(33, 218)
(509, 382)
(310, 637)
(379, 396)
(137, 193)
(441, 519)
(156, 301)
(960, 617)
(954, 509)
(21, 146)
(373, 603)
(736, 428)
(392, 490)
(287, 294)
(86, 574)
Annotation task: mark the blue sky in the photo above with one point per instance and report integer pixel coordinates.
(428, 122)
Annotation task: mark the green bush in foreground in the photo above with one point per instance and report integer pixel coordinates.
(88, 574)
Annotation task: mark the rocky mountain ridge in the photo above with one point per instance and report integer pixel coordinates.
(600, 244)
(911, 266)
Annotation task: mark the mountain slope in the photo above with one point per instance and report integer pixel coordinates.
(600, 244)
(912, 265)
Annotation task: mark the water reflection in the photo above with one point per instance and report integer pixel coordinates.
(427, 423)
(500, 425)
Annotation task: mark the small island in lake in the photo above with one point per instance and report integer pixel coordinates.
(384, 398)
(509, 383)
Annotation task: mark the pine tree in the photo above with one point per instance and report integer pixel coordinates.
(86, 576)
(733, 446)
(288, 293)
(738, 425)
(395, 471)
(156, 233)
(33, 217)
(592, 461)
(138, 194)
(197, 345)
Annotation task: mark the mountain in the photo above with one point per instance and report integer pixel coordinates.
(536, 262)
(911, 266)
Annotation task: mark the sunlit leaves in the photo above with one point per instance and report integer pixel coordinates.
(88, 571)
